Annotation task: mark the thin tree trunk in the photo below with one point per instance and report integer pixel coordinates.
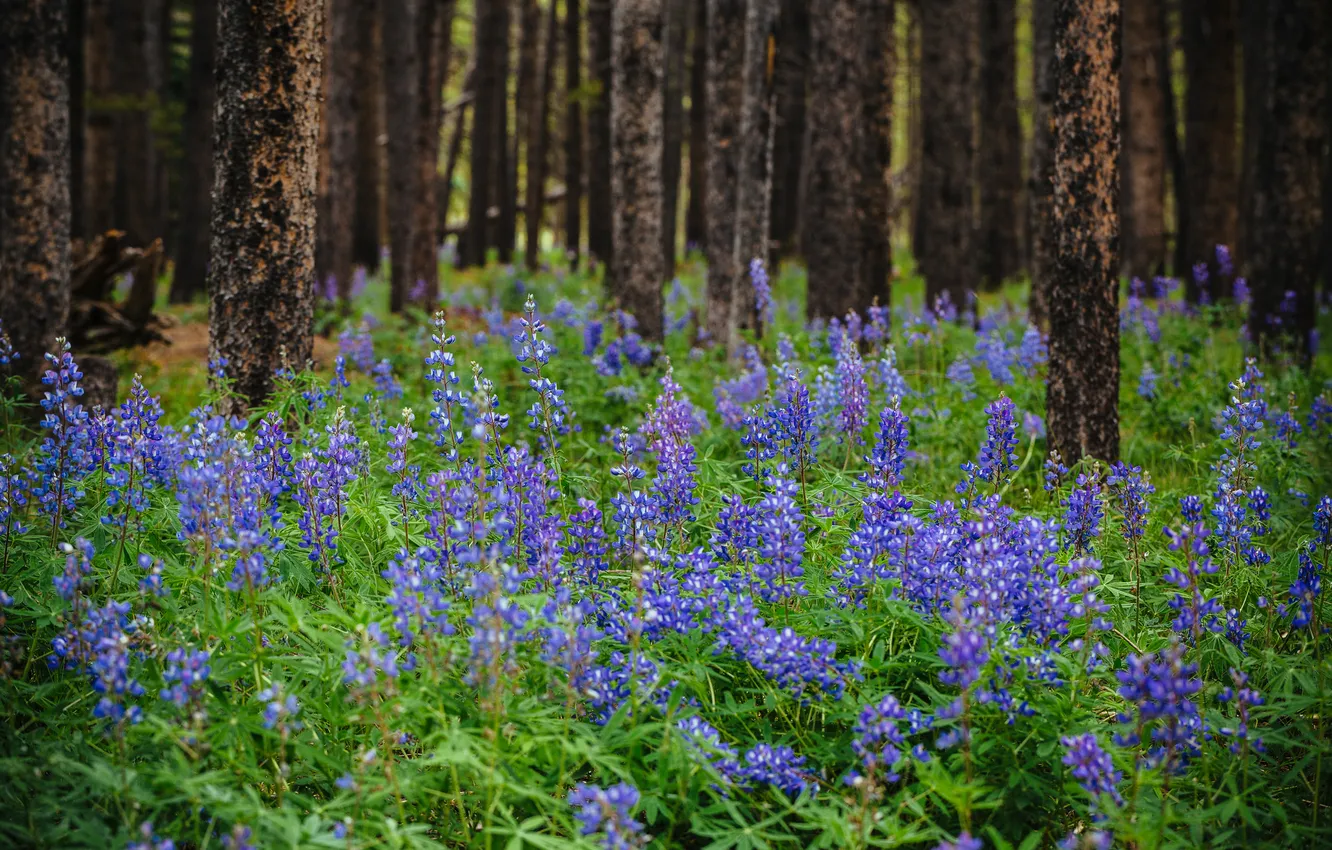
(789, 142)
(34, 178)
(490, 37)
(342, 110)
(100, 140)
(401, 92)
(526, 93)
(696, 213)
(1253, 18)
(78, 122)
(726, 68)
(944, 222)
(434, 45)
(136, 72)
(636, 272)
(261, 271)
(505, 232)
(197, 175)
(538, 140)
(573, 132)
(1173, 147)
(600, 235)
(879, 66)
(1142, 202)
(1082, 397)
(367, 224)
(1040, 170)
(1000, 237)
(455, 149)
(831, 222)
(676, 16)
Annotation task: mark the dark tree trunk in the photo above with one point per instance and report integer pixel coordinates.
(831, 222)
(34, 178)
(136, 71)
(1253, 25)
(676, 16)
(401, 92)
(434, 46)
(573, 132)
(538, 139)
(1082, 397)
(600, 236)
(100, 140)
(506, 175)
(1142, 199)
(696, 213)
(636, 269)
(78, 123)
(1212, 181)
(1178, 189)
(196, 190)
(491, 38)
(878, 63)
(726, 68)
(999, 240)
(367, 223)
(341, 115)
(525, 95)
(1040, 168)
(261, 270)
(789, 142)
(1289, 216)
(944, 219)
(455, 150)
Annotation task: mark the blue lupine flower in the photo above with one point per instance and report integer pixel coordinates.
(281, 710)
(888, 459)
(150, 840)
(998, 455)
(187, 671)
(1160, 687)
(65, 455)
(782, 546)
(1243, 698)
(853, 393)
(608, 812)
(1195, 612)
(878, 740)
(1084, 513)
(758, 276)
(1092, 766)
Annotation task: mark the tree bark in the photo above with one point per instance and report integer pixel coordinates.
(1040, 170)
(1289, 217)
(831, 222)
(34, 178)
(261, 271)
(1142, 206)
(136, 72)
(100, 140)
(538, 140)
(999, 240)
(434, 46)
(342, 114)
(573, 132)
(491, 37)
(1082, 396)
(525, 94)
(1174, 149)
(78, 122)
(506, 225)
(789, 142)
(675, 42)
(636, 267)
(600, 235)
(696, 213)
(401, 92)
(726, 69)
(196, 189)
(944, 220)
(1212, 181)
(879, 52)
(367, 223)
(455, 150)
(1253, 25)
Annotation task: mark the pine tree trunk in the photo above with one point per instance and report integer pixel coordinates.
(999, 241)
(455, 149)
(1178, 188)
(672, 120)
(491, 37)
(525, 94)
(78, 121)
(789, 142)
(538, 140)
(261, 269)
(831, 222)
(401, 92)
(196, 191)
(1289, 216)
(1142, 201)
(1256, 57)
(879, 66)
(696, 213)
(1040, 168)
(1082, 397)
(342, 110)
(434, 44)
(367, 223)
(34, 178)
(636, 268)
(99, 172)
(600, 236)
(505, 232)
(726, 68)
(1209, 136)
(573, 132)
(945, 242)
(136, 74)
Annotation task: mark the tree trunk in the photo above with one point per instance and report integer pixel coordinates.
(367, 223)
(100, 140)
(1040, 170)
(34, 178)
(525, 94)
(455, 149)
(789, 142)
(491, 37)
(1178, 189)
(696, 213)
(136, 74)
(1082, 397)
(636, 268)
(1142, 200)
(506, 226)
(600, 235)
(342, 110)
(78, 122)
(879, 52)
(1253, 18)
(726, 69)
(676, 16)
(831, 222)
(196, 189)
(538, 140)
(434, 45)
(261, 270)
(999, 240)
(573, 132)
(944, 219)
(1289, 216)
(401, 84)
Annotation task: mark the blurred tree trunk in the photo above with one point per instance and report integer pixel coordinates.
(434, 46)
(468, 96)
(100, 140)
(78, 122)
(1212, 178)
(136, 71)
(879, 67)
(1082, 396)
(1178, 189)
(1288, 191)
(726, 68)
(999, 241)
(600, 236)
(342, 110)
(525, 96)
(945, 242)
(636, 269)
(789, 142)
(367, 225)
(401, 84)
(538, 140)
(196, 189)
(1256, 57)
(491, 38)
(831, 222)
(696, 213)
(1142, 199)
(261, 269)
(573, 132)
(674, 45)
(34, 178)
(1040, 168)
(505, 232)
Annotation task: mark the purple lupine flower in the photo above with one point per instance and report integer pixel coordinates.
(608, 812)
(418, 605)
(668, 428)
(386, 384)
(964, 841)
(888, 458)
(1130, 487)
(777, 766)
(960, 374)
(758, 276)
(64, 457)
(997, 357)
(406, 486)
(7, 353)
(150, 840)
(281, 710)
(272, 455)
(1032, 353)
(1084, 513)
(370, 662)
(450, 403)
(1195, 612)
(355, 345)
(1055, 472)
(782, 547)
(72, 582)
(13, 498)
(887, 376)
(878, 740)
(241, 838)
(1147, 382)
(1092, 766)
(496, 622)
(1243, 698)
(135, 455)
(794, 663)
(1160, 687)
(550, 413)
(187, 671)
(585, 542)
(853, 392)
(793, 424)
(998, 455)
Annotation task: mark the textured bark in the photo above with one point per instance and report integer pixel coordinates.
(434, 42)
(831, 222)
(726, 69)
(261, 268)
(1142, 196)
(34, 178)
(789, 141)
(1256, 57)
(196, 188)
(879, 52)
(1212, 179)
(341, 110)
(78, 122)
(366, 219)
(1289, 217)
(136, 72)
(999, 240)
(401, 91)
(676, 14)
(491, 37)
(99, 157)
(696, 213)
(636, 268)
(538, 139)
(525, 91)
(944, 217)
(1040, 168)
(600, 234)
(504, 234)
(1082, 396)
(573, 132)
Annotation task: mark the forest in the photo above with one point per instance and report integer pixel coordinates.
(685, 424)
